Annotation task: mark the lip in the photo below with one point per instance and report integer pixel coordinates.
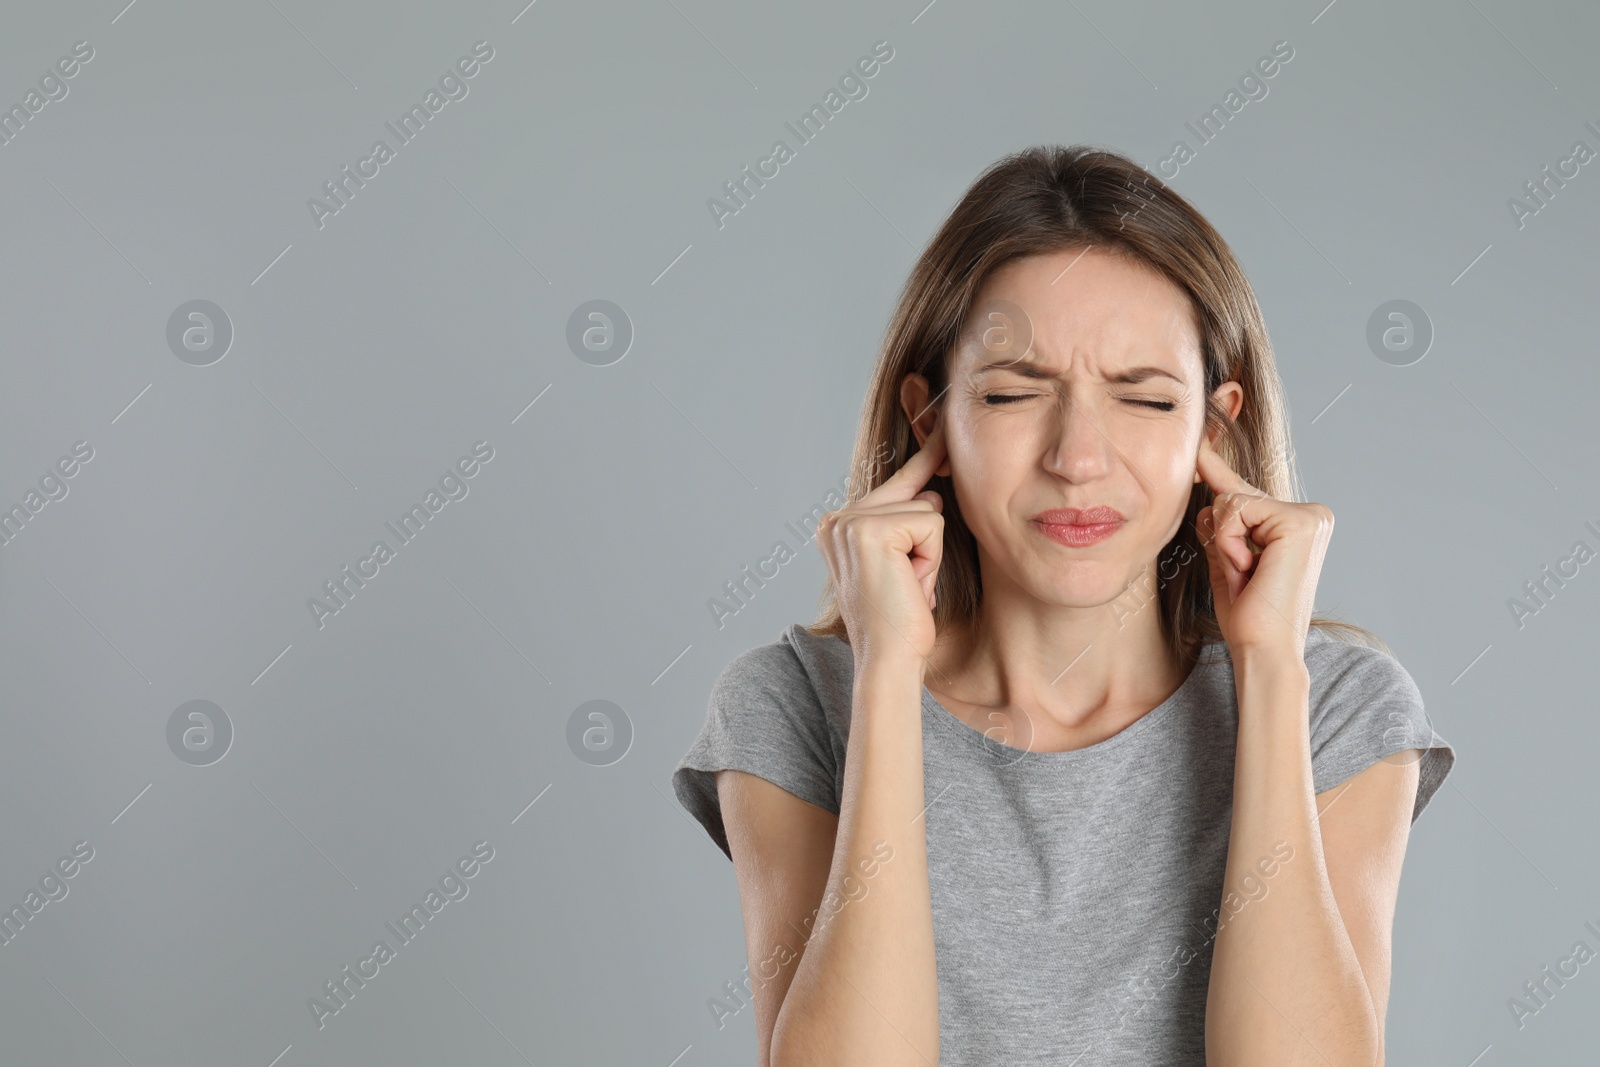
(1079, 516)
(1079, 527)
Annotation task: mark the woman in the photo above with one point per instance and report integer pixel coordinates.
(1066, 772)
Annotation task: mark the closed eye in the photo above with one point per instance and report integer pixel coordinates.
(1012, 398)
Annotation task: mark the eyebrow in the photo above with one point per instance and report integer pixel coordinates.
(1030, 369)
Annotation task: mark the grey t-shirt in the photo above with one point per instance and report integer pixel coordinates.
(1076, 895)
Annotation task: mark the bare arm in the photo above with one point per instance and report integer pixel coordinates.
(1364, 842)
(782, 850)
(838, 918)
(1300, 971)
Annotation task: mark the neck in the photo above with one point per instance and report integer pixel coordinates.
(1075, 666)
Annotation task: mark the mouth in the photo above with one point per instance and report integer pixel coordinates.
(1078, 527)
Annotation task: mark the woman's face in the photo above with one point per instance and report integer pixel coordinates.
(1077, 385)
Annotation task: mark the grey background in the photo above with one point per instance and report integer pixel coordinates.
(369, 354)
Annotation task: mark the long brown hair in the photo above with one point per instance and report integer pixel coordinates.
(1049, 198)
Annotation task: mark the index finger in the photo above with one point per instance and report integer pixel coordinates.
(1218, 475)
(908, 481)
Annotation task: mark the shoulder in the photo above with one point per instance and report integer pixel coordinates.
(1345, 673)
(796, 657)
(799, 675)
(1365, 707)
(774, 661)
(774, 712)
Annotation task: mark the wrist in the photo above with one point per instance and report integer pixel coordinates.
(1268, 652)
(1271, 663)
(891, 665)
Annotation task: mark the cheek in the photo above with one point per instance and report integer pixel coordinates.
(987, 465)
(988, 448)
(989, 460)
(1163, 455)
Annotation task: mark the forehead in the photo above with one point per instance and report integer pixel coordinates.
(1081, 311)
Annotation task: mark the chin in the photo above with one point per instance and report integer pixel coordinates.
(1090, 586)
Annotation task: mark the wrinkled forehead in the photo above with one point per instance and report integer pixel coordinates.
(1090, 315)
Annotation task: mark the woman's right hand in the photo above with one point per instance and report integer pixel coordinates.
(883, 552)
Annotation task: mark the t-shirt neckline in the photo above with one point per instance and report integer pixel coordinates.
(1006, 755)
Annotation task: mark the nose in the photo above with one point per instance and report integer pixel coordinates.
(1079, 449)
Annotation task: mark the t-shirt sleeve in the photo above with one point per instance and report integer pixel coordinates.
(763, 718)
(1366, 707)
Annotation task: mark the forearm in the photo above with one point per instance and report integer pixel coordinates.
(865, 990)
(1284, 975)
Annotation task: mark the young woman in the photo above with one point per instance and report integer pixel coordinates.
(1066, 772)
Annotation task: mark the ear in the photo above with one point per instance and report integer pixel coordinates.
(1231, 396)
(915, 390)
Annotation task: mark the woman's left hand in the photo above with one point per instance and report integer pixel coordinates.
(1265, 557)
